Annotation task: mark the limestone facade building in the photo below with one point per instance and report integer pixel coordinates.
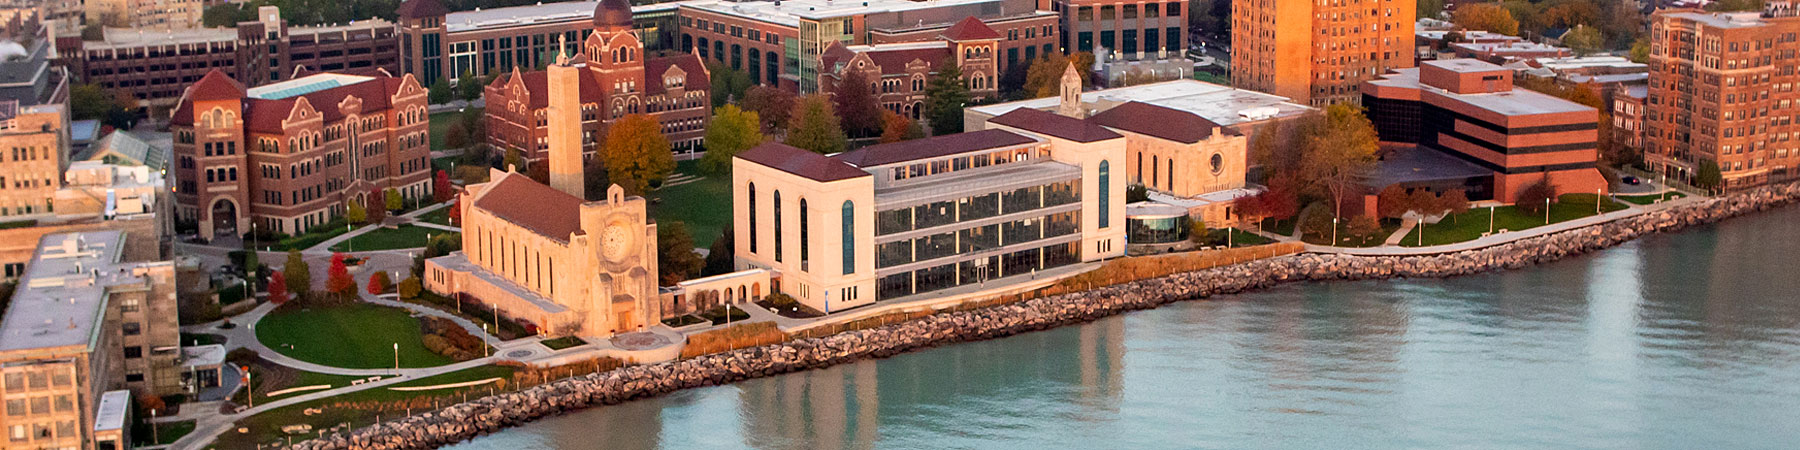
(35, 142)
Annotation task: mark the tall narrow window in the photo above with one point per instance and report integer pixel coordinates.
(777, 200)
(752, 229)
(1106, 194)
(805, 238)
(849, 237)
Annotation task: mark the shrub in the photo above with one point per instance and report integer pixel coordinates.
(410, 288)
(1363, 227)
(1536, 197)
(242, 356)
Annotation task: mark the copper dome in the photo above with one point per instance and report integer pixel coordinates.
(612, 13)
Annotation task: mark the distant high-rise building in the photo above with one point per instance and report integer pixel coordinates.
(1317, 52)
(1722, 91)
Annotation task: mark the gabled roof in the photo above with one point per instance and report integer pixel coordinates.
(541, 209)
(537, 82)
(654, 68)
(1053, 124)
(800, 162)
(932, 147)
(421, 8)
(216, 85)
(970, 29)
(265, 115)
(1162, 122)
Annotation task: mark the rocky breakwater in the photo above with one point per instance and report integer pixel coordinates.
(473, 418)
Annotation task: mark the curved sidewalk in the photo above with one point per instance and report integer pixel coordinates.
(1510, 236)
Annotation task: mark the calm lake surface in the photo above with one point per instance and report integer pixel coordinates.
(1679, 341)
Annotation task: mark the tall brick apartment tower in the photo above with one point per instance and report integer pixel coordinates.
(1318, 52)
(1722, 91)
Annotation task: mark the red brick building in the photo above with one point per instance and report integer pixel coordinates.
(618, 79)
(900, 72)
(1722, 93)
(288, 156)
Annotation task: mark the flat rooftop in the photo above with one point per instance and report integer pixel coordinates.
(61, 299)
(137, 37)
(110, 413)
(1411, 164)
(304, 85)
(1464, 65)
(1516, 102)
(481, 19)
(789, 12)
(1507, 47)
(1222, 105)
(1723, 20)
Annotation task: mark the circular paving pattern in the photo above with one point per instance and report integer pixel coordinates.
(518, 353)
(642, 340)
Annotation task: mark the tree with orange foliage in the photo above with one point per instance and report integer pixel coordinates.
(896, 128)
(278, 293)
(441, 190)
(338, 279)
(378, 283)
(456, 213)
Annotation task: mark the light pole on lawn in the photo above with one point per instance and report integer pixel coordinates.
(1597, 201)
(1547, 210)
(396, 356)
(1334, 241)
(1490, 220)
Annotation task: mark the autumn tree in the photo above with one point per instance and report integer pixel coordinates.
(338, 280)
(732, 130)
(377, 207)
(278, 291)
(858, 111)
(410, 288)
(1536, 197)
(1486, 17)
(441, 189)
(455, 136)
(456, 212)
(1735, 5)
(1455, 201)
(814, 126)
(675, 257)
(1339, 148)
(896, 128)
(394, 201)
(772, 104)
(1584, 40)
(1392, 202)
(945, 97)
(378, 283)
(297, 274)
(355, 213)
(1430, 8)
(636, 154)
(90, 101)
(1363, 228)
(1044, 78)
(1424, 202)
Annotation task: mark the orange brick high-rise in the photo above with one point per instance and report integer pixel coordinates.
(1317, 52)
(1723, 90)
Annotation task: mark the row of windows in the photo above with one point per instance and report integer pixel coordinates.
(21, 181)
(1172, 9)
(30, 153)
(847, 233)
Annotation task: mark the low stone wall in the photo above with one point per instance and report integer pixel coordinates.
(489, 414)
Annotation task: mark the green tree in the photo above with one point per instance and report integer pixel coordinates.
(514, 160)
(857, 109)
(393, 200)
(675, 257)
(92, 102)
(814, 126)
(1486, 17)
(636, 154)
(1339, 149)
(1708, 176)
(469, 86)
(356, 213)
(728, 85)
(1584, 40)
(732, 131)
(298, 274)
(945, 98)
(721, 257)
(439, 93)
(896, 128)
(1430, 8)
(1640, 50)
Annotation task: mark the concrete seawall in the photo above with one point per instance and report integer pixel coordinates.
(490, 414)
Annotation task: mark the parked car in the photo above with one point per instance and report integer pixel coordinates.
(1631, 180)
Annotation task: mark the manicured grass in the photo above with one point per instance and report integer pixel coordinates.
(717, 315)
(440, 126)
(440, 216)
(1345, 239)
(357, 335)
(1281, 227)
(1470, 225)
(1238, 238)
(1647, 199)
(265, 428)
(166, 432)
(563, 342)
(704, 205)
(404, 236)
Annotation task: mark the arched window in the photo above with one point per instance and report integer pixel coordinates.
(849, 237)
(1105, 194)
(752, 218)
(777, 201)
(805, 238)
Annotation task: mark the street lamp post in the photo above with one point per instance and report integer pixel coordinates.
(396, 356)
(1547, 210)
(1334, 241)
(1490, 219)
(1597, 202)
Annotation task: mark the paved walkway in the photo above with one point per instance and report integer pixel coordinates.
(1510, 236)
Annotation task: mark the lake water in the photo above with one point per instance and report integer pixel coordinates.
(1680, 341)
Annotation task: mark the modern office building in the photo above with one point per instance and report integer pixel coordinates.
(1143, 36)
(893, 221)
(541, 254)
(291, 155)
(86, 319)
(899, 73)
(1317, 52)
(1482, 134)
(779, 43)
(440, 45)
(156, 65)
(1723, 93)
(618, 77)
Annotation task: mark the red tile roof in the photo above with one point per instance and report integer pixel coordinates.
(216, 85)
(265, 115)
(541, 209)
(1162, 122)
(800, 162)
(970, 29)
(654, 68)
(932, 147)
(1054, 125)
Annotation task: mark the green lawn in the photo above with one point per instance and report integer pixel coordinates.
(1470, 225)
(1238, 238)
(265, 428)
(563, 342)
(164, 434)
(440, 216)
(1349, 241)
(704, 205)
(440, 126)
(357, 336)
(1650, 198)
(404, 236)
